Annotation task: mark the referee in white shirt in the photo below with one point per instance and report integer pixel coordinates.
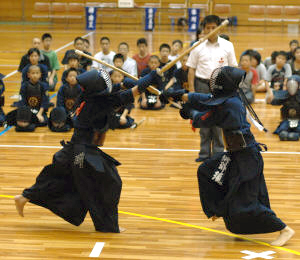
(209, 55)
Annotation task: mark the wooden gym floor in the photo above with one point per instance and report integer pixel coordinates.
(160, 206)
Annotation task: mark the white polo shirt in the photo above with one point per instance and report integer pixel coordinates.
(130, 66)
(208, 56)
(108, 58)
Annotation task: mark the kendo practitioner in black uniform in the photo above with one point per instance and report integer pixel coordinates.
(289, 127)
(34, 96)
(232, 184)
(81, 177)
(68, 96)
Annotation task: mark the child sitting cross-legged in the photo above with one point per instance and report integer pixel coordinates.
(34, 99)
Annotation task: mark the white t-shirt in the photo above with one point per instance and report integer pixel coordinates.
(178, 63)
(262, 71)
(130, 66)
(208, 56)
(108, 58)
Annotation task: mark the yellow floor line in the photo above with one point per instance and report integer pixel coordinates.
(7, 196)
(199, 227)
(211, 230)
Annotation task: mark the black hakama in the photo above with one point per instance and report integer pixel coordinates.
(81, 178)
(232, 186)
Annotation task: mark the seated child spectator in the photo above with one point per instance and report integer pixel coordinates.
(176, 48)
(251, 80)
(43, 59)
(73, 63)
(117, 79)
(180, 79)
(279, 97)
(142, 57)
(181, 75)
(34, 55)
(105, 55)
(68, 94)
(129, 63)
(164, 51)
(58, 120)
(2, 89)
(121, 118)
(289, 127)
(33, 93)
(279, 72)
(84, 63)
(86, 45)
(260, 69)
(149, 100)
(295, 62)
(270, 60)
(293, 45)
(54, 63)
(118, 60)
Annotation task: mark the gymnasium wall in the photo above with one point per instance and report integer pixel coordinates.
(23, 10)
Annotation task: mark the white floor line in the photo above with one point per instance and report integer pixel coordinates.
(127, 149)
(70, 43)
(97, 249)
(10, 74)
(57, 50)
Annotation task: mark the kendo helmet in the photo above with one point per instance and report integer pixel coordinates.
(95, 82)
(225, 80)
(58, 115)
(293, 84)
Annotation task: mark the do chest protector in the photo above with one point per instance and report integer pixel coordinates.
(234, 140)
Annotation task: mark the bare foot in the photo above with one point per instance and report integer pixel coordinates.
(285, 235)
(214, 218)
(20, 202)
(122, 229)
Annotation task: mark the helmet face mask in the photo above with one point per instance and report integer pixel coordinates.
(104, 74)
(95, 82)
(292, 87)
(225, 81)
(214, 82)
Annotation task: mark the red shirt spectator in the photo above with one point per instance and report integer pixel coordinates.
(142, 63)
